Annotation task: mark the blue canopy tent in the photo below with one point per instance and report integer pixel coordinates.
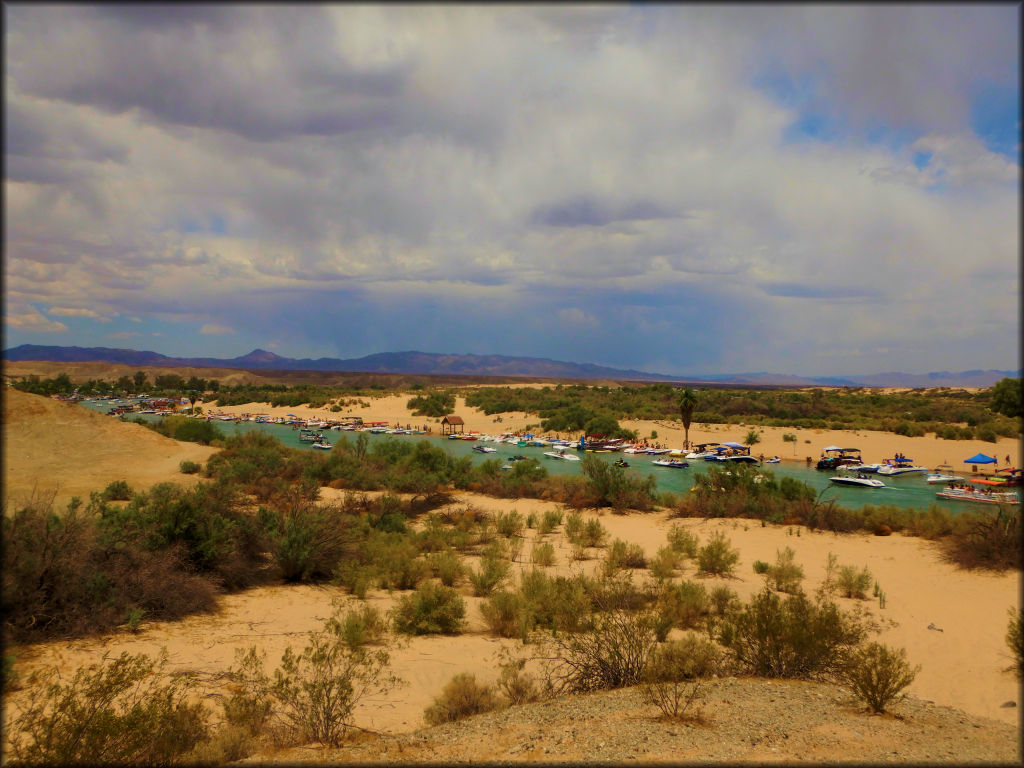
(981, 458)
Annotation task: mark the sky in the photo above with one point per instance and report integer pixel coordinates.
(818, 190)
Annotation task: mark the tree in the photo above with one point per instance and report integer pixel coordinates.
(139, 379)
(1006, 398)
(687, 402)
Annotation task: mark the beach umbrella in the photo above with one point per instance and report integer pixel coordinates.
(981, 458)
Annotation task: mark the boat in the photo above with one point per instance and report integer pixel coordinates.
(621, 463)
(702, 451)
(484, 449)
(559, 453)
(863, 467)
(772, 460)
(323, 445)
(900, 465)
(834, 457)
(734, 452)
(674, 463)
(957, 492)
(942, 474)
(858, 479)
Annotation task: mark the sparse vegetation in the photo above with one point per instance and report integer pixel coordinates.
(461, 697)
(676, 675)
(877, 674)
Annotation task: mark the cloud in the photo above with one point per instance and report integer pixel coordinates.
(31, 320)
(443, 177)
(123, 334)
(77, 312)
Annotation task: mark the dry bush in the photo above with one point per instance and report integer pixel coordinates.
(676, 675)
(785, 575)
(462, 696)
(542, 553)
(877, 674)
(117, 712)
(853, 583)
(989, 540)
(431, 609)
(717, 557)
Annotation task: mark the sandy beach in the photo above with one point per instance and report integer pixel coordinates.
(951, 622)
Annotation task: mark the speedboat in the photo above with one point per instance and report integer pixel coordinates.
(674, 463)
(323, 445)
(863, 467)
(858, 479)
(899, 466)
(484, 449)
(733, 452)
(772, 460)
(942, 474)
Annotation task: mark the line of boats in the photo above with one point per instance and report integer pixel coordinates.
(853, 471)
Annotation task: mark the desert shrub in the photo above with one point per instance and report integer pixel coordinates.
(542, 553)
(877, 674)
(249, 705)
(395, 558)
(682, 541)
(665, 563)
(621, 554)
(990, 540)
(518, 686)
(785, 575)
(721, 599)
(315, 691)
(493, 570)
(676, 674)
(118, 490)
(717, 557)
(116, 712)
(574, 526)
(462, 696)
(362, 626)
(431, 609)
(508, 523)
(609, 651)
(308, 540)
(789, 637)
(447, 566)
(1015, 640)
(549, 521)
(503, 613)
(761, 567)
(851, 582)
(682, 605)
(554, 603)
(610, 486)
(189, 467)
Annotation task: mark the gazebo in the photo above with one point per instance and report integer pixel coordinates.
(449, 424)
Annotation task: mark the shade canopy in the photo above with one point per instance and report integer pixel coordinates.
(981, 458)
(734, 445)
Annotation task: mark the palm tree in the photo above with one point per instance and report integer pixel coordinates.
(687, 402)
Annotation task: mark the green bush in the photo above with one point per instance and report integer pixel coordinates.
(116, 712)
(189, 467)
(118, 490)
(790, 637)
(717, 557)
(853, 583)
(462, 696)
(665, 563)
(621, 554)
(503, 613)
(550, 520)
(316, 690)
(682, 541)
(676, 674)
(683, 605)
(542, 553)
(431, 609)
(761, 567)
(447, 566)
(493, 570)
(555, 603)
(877, 674)
(785, 575)
(509, 523)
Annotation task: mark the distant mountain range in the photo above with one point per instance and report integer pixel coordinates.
(488, 365)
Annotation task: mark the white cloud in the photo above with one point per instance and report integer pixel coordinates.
(31, 320)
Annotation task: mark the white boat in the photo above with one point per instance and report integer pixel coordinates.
(702, 451)
(864, 467)
(900, 466)
(959, 493)
(772, 460)
(942, 474)
(859, 479)
(561, 454)
(484, 449)
(674, 463)
(323, 445)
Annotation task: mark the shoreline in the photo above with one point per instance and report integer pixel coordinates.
(928, 451)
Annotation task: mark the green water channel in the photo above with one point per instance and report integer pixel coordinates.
(910, 491)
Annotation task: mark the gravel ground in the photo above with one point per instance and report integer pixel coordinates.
(744, 720)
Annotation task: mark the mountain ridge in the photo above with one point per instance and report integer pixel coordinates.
(430, 363)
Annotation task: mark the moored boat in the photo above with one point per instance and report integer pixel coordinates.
(900, 465)
(835, 457)
(674, 463)
(942, 474)
(959, 492)
(858, 479)
(323, 445)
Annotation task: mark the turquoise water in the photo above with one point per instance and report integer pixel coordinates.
(902, 491)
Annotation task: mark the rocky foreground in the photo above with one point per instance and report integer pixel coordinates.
(743, 720)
